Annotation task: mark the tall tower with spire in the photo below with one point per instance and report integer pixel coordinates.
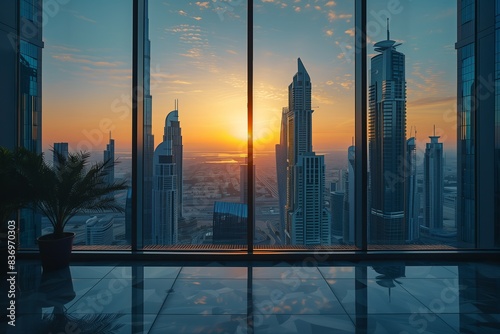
(149, 146)
(433, 183)
(387, 143)
(307, 220)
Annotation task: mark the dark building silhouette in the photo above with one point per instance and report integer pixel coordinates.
(433, 184)
(148, 145)
(21, 90)
(230, 223)
(478, 119)
(281, 171)
(387, 143)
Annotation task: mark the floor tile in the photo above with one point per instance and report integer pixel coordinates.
(473, 323)
(90, 271)
(383, 296)
(303, 324)
(338, 272)
(294, 296)
(214, 272)
(200, 324)
(403, 324)
(300, 272)
(207, 296)
(119, 296)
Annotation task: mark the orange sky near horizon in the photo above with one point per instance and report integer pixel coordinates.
(199, 58)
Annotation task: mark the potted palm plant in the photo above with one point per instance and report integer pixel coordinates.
(70, 187)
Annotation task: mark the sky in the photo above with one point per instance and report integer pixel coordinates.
(198, 56)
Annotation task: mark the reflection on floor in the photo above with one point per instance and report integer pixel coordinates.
(379, 297)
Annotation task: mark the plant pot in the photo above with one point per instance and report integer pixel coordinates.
(55, 253)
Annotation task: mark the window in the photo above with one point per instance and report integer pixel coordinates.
(198, 71)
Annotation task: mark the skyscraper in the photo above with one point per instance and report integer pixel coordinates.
(244, 182)
(337, 212)
(149, 145)
(433, 184)
(230, 223)
(412, 209)
(281, 171)
(21, 90)
(109, 154)
(172, 133)
(348, 229)
(387, 141)
(62, 149)
(167, 183)
(478, 119)
(308, 221)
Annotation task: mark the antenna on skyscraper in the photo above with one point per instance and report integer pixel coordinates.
(388, 29)
(434, 130)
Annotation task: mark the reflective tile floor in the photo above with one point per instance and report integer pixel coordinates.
(156, 297)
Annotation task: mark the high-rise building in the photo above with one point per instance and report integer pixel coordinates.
(165, 206)
(387, 141)
(281, 171)
(348, 229)
(172, 133)
(412, 209)
(99, 230)
(21, 90)
(433, 184)
(244, 182)
(149, 146)
(308, 220)
(59, 148)
(337, 212)
(478, 119)
(109, 154)
(230, 223)
(167, 201)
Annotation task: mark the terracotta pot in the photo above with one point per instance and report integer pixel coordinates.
(55, 253)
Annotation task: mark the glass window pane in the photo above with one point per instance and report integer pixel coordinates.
(412, 120)
(198, 108)
(304, 124)
(87, 61)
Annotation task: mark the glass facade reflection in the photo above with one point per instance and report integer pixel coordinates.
(465, 145)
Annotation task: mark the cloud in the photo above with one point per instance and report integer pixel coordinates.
(350, 32)
(332, 16)
(181, 12)
(63, 48)
(330, 4)
(232, 52)
(329, 32)
(203, 4)
(181, 82)
(329, 82)
(197, 18)
(193, 53)
(297, 9)
(77, 59)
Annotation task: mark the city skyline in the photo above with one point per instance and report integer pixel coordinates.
(195, 48)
